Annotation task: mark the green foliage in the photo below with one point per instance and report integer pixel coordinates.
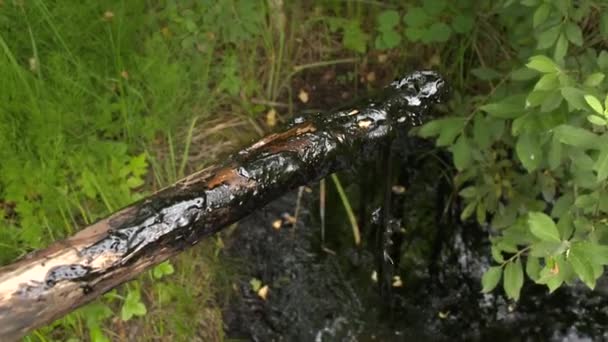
(162, 270)
(433, 21)
(531, 156)
(132, 306)
(353, 36)
(88, 87)
(491, 278)
(85, 89)
(437, 20)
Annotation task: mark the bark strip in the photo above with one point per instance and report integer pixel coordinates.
(49, 283)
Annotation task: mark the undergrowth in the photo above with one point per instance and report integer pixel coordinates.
(103, 103)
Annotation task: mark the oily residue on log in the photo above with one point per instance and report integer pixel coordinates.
(51, 282)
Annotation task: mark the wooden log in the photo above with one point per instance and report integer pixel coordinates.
(49, 283)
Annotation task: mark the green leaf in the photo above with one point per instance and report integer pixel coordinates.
(388, 39)
(574, 34)
(491, 278)
(597, 254)
(582, 267)
(533, 268)
(547, 248)
(565, 225)
(414, 34)
(481, 213)
(388, 19)
(551, 102)
(497, 255)
(481, 133)
(530, 3)
(562, 5)
(434, 7)
(602, 58)
(506, 246)
(468, 211)
(134, 182)
(541, 14)
(562, 205)
(462, 23)
(509, 108)
(542, 64)
(132, 306)
(438, 32)
(561, 49)
(523, 74)
(354, 37)
(504, 217)
(575, 97)
(576, 136)
(95, 334)
(536, 98)
(594, 103)
(468, 192)
(462, 153)
(548, 276)
(486, 74)
(256, 284)
(513, 279)
(447, 129)
(162, 270)
(601, 165)
(547, 38)
(138, 165)
(430, 129)
(594, 79)
(586, 201)
(528, 151)
(450, 129)
(581, 159)
(604, 25)
(416, 17)
(543, 227)
(596, 120)
(547, 82)
(555, 153)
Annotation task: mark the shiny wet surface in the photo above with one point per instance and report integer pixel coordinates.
(417, 277)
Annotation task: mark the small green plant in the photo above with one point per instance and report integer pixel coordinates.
(532, 156)
(434, 21)
(86, 88)
(438, 20)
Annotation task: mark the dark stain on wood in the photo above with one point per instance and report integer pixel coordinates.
(49, 283)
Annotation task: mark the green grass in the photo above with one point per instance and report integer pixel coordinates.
(103, 103)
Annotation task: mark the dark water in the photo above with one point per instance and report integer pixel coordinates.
(416, 277)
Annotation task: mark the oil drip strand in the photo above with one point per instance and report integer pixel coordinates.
(48, 283)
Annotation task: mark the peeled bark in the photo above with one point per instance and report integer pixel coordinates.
(49, 283)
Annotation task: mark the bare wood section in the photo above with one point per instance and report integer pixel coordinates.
(49, 283)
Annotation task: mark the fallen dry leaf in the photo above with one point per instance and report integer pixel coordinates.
(398, 189)
(370, 77)
(33, 64)
(108, 15)
(263, 292)
(303, 96)
(276, 224)
(271, 118)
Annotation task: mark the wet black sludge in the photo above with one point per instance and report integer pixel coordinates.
(416, 278)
